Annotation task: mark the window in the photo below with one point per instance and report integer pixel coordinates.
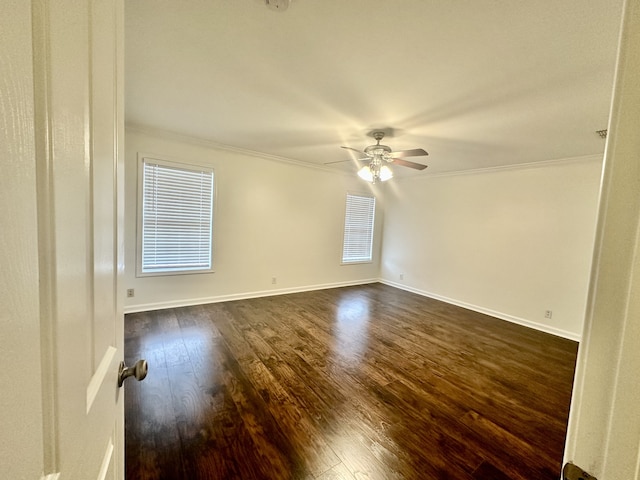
(176, 210)
(358, 229)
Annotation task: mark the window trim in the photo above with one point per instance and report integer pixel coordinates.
(373, 228)
(163, 160)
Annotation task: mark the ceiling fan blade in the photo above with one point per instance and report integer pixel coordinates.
(354, 149)
(416, 152)
(407, 163)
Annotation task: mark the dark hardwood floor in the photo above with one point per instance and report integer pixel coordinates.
(367, 382)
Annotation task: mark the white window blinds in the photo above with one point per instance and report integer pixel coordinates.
(177, 211)
(358, 229)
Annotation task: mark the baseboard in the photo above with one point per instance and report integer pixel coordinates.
(241, 296)
(502, 316)
(308, 288)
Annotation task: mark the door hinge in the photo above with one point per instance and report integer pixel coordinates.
(573, 472)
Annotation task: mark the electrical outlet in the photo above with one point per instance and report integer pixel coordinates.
(273, 280)
(548, 313)
(402, 276)
(131, 292)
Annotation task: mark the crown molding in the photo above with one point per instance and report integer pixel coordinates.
(514, 166)
(201, 142)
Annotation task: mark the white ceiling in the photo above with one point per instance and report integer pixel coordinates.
(477, 83)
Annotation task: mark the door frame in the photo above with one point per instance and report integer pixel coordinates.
(603, 435)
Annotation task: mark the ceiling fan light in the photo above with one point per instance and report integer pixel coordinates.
(365, 173)
(385, 173)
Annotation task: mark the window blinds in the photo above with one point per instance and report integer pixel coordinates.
(358, 229)
(177, 206)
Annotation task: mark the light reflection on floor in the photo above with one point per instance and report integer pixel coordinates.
(191, 357)
(352, 327)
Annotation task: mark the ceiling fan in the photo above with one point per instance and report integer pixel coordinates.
(379, 155)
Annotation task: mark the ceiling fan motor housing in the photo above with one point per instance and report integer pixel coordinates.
(377, 154)
(377, 150)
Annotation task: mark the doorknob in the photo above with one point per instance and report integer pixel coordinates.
(139, 370)
(573, 472)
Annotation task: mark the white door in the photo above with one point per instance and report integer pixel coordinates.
(603, 437)
(62, 120)
(80, 56)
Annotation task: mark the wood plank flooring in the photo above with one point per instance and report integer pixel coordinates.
(367, 382)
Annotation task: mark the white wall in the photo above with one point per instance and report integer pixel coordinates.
(272, 219)
(512, 242)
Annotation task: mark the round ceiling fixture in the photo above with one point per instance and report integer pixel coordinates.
(279, 5)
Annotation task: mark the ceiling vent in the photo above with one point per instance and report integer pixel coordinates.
(278, 5)
(602, 133)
